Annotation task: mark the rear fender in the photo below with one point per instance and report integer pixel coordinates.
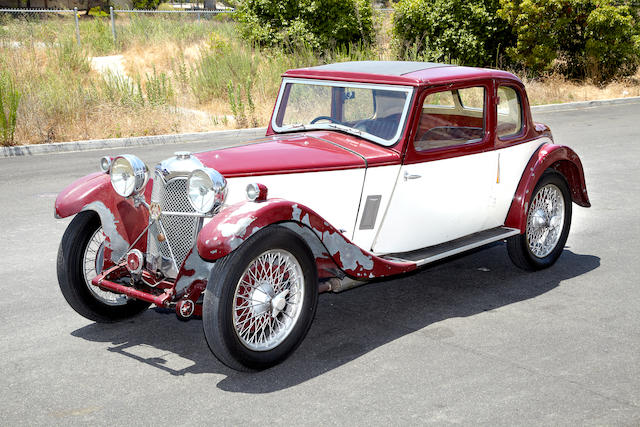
(122, 222)
(549, 156)
(237, 223)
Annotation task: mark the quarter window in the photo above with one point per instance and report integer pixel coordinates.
(509, 112)
(451, 117)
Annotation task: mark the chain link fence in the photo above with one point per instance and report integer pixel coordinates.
(51, 23)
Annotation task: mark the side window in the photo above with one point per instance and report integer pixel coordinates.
(472, 98)
(451, 117)
(509, 112)
(439, 99)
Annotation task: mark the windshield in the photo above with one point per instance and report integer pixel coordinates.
(375, 112)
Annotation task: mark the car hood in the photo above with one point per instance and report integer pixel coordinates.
(295, 153)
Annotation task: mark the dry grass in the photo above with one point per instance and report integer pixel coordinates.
(557, 89)
(63, 99)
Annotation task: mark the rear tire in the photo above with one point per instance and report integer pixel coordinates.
(547, 225)
(80, 243)
(261, 300)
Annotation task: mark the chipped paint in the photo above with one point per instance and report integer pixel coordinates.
(296, 212)
(234, 225)
(193, 269)
(235, 229)
(351, 257)
(117, 244)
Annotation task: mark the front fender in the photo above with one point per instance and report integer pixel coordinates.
(237, 223)
(122, 222)
(549, 156)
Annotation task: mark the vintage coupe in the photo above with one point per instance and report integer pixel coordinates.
(367, 170)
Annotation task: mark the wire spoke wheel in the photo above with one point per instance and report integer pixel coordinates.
(92, 261)
(268, 300)
(260, 300)
(545, 220)
(80, 259)
(547, 224)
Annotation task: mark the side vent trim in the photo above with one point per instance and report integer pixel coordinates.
(370, 213)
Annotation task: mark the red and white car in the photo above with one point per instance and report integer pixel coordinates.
(367, 170)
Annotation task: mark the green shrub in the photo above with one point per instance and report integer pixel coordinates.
(9, 101)
(467, 32)
(316, 24)
(70, 56)
(146, 4)
(579, 38)
(166, 6)
(122, 90)
(158, 89)
(98, 11)
(96, 36)
(218, 65)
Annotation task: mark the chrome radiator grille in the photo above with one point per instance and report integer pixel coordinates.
(181, 231)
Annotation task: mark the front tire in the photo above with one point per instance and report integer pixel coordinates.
(79, 261)
(547, 226)
(261, 300)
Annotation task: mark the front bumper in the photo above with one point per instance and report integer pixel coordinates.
(162, 294)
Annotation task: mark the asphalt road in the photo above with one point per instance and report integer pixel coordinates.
(470, 341)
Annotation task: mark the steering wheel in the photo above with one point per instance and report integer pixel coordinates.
(331, 119)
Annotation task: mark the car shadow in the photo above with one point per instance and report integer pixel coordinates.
(350, 324)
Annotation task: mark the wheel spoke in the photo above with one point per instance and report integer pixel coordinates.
(545, 220)
(271, 284)
(91, 256)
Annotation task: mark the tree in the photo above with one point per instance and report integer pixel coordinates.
(464, 31)
(579, 38)
(317, 24)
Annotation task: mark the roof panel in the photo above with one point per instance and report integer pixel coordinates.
(397, 72)
(387, 68)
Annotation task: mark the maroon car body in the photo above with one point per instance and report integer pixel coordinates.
(466, 121)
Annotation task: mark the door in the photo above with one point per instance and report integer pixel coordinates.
(443, 190)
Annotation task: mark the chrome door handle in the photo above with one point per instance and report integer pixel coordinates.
(407, 176)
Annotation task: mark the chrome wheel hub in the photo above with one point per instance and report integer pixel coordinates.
(268, 300)
(545, 220)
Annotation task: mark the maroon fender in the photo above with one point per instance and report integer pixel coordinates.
(235, 224)
(549, 156)
(121, 221)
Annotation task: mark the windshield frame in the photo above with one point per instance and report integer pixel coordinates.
(409, 90)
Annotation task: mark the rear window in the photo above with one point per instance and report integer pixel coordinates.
(509, 112)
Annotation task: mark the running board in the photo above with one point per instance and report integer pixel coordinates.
(454, 247)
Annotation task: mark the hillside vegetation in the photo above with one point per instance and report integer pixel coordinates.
(180, 74)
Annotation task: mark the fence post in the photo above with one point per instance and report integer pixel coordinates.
(113, 24)
(75, 15)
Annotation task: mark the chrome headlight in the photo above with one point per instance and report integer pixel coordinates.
(129, 175)
(206, 189)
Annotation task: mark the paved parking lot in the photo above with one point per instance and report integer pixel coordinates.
(471, 341)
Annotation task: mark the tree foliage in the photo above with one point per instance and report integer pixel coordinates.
(314, 23)
(579, 38)
(467, 32)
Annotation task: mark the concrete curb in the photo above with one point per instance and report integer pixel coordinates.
(137, 141)
(224, 135)
(583, 104)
